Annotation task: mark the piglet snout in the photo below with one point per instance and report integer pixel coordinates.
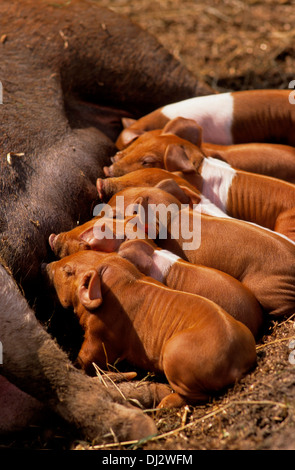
(44, 268)
(117, 156)
(108, 170)
(100, 188)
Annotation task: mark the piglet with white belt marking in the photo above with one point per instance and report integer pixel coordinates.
(148, 151)
(262, 260)
(226, 118)
(256, 198)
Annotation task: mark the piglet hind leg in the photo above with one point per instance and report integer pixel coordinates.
(183, 371)
(200, 364)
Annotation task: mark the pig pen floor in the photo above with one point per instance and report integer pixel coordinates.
(258, 413)
(231, 45)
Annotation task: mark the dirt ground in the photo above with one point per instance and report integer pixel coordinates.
(231, 45)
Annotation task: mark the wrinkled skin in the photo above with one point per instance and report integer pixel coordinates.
(143, 253)
(70, 71)
(274, 291)
(127, 315)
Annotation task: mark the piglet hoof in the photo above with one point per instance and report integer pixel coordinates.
(173, 400)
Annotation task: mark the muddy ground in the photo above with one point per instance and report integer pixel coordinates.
(231, 45)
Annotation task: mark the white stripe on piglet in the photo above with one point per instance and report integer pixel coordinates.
(163, 260)
(217, 179)
(214, 113)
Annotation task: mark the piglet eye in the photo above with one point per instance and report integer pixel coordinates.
(68, 270)
(148, 160)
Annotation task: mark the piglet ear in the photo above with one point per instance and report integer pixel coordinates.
(171, 187)
(88, 237)
(176, 159)
(127, 122)
(193, 197)
(128, 135)
(135, 207)
(139, 210)
(89, 290)
(100, 237)
(138, 252)
(184, 194)
(186, 129)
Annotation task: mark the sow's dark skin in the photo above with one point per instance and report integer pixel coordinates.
(69, 72)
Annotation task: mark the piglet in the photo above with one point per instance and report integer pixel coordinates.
(163, 266)
(226, 118)
(149, 150)
(107, 187)
(126, 315)
(256, 198)
(233, 246)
